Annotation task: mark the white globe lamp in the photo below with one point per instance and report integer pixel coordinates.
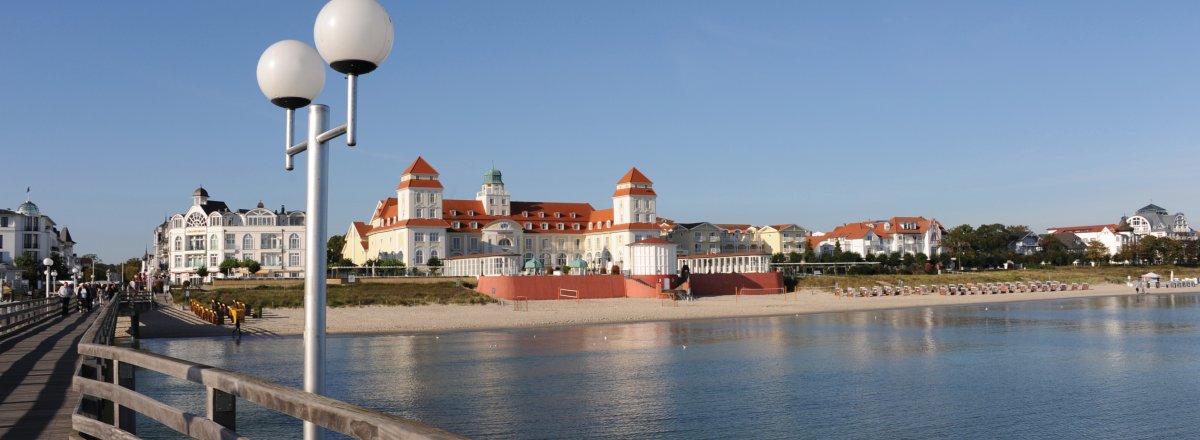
(291, 74)
(354, 36)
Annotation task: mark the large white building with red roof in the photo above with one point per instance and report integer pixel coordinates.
(1108, 235)
(418, 224)
(906, 235)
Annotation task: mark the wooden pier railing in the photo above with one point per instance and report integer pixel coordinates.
(108, 399)
(17, 316)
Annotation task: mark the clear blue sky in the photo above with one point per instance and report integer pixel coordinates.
(815, 113)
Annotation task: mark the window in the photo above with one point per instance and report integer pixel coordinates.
(3, 222)
(178, 261)
(474, 243)
(457, 225)
(453, 212)
(545, 243)
(433, 253)
(178, 243)
(524, 213)
(699, 247)
(247, 242)
(195, 243)
(229, 241)
(294, 241)
(455, 243)
(419, 236)
(212, 242)
(577, 226)
(471, 213)
(560, 226)
(212, 260)
(418, 259)
(505, 226)
(558, 215)
(247, 256)
(529, 245)
(528, 225)
(271, 259)
(505, 242)
(474, 225)
(434, 237)
(270, 241)
(541, 214)
(293, 259)
(562, 260)
(545, 225)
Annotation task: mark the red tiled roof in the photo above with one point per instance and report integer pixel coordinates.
(387, 209)
(362, 229)
(1077, 229)
(420, 166)
(634, 176)
(734, 227)
(419, 183)
(634, 192)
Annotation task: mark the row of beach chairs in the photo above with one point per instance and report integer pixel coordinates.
(960, 289)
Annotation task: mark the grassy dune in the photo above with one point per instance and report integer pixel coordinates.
(345, 296)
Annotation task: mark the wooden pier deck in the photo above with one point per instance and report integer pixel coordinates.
(36, 370)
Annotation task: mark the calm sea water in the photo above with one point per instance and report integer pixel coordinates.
(1101, 368)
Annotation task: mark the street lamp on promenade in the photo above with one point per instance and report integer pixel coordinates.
(74, 275)
(354, 37)
(48, 262)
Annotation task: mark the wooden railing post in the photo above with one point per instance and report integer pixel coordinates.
(125, 418)
(222, 408)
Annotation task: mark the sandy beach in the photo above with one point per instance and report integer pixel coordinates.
(172, 322)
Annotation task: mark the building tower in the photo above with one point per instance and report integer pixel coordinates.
(200, 196)
(492, 196)
(419, 195)
(633, 202)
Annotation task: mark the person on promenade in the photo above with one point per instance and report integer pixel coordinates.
(82, 294)
(66, 292)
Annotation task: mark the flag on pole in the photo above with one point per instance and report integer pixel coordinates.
(27, 190)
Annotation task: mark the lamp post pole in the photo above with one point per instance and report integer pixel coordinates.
(48, 262)
(353, 37)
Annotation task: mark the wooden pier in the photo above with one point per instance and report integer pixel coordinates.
(38, 365)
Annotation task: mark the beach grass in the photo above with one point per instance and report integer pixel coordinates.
(343, 295)
(1092, 275)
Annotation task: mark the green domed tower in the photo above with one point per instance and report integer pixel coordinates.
(493, 197)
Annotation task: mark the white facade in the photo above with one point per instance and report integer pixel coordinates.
(418, 224)
(1105, 234)
(27, 230)
(727, 263)
(209, 233)
(653, 256)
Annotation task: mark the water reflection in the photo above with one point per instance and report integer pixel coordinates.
(1105, 368)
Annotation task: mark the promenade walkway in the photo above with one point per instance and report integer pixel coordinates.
(36, 369)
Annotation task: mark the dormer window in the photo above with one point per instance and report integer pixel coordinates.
(608, 223)
(453, 212)
(457, 225)
(529, 225)
(545, 226)
(572, 215)
(471, 213)
(542, 214)
(474, 225)
(560, 226)
(558, 215)
(577, 226)
(524, 213)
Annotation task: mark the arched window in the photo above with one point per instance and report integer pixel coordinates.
(433, 254)
(294, 241)
(178, 243)
(562, 260)
(543, 259)
(212, 241)
(196, 219)
(247, 242)
(418, 259)
(505, 242)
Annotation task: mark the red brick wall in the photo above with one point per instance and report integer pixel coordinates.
(725, 283)
(546, 286)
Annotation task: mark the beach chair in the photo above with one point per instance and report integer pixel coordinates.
(876, 291)
(907, 290)
(1084, 286)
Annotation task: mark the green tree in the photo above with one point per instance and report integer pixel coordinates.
(29, 265)
(130, 269)
(1097, 252)
(202, 271)
(251, 266)
(334, 250)
(794, 257)
(229, 265)
(778, 257)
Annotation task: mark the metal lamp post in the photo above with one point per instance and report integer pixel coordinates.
(74, 275)
(354, 37)
(48, 262)
(54, 273)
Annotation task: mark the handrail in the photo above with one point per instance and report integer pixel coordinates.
(17, 316)
(346, 418)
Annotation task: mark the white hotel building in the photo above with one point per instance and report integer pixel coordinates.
(418, 224)
(209, 233)
(27, 230)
